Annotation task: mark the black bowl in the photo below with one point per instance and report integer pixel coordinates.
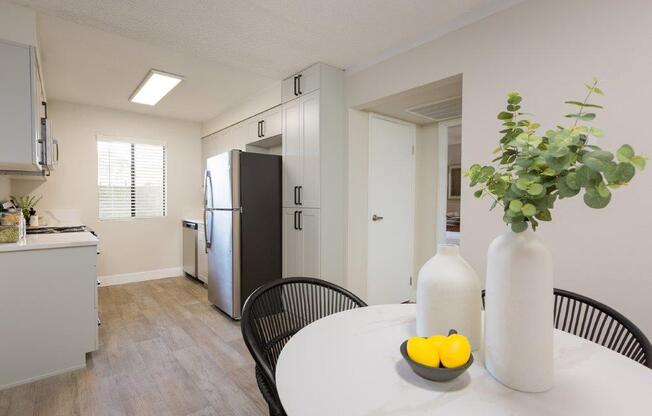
(434, 373)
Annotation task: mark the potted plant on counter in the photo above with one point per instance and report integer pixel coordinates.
(26, 204)
(530, 173)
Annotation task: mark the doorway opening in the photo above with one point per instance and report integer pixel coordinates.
(431, 111)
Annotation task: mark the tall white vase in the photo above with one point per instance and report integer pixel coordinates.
(519, 312)
(449, 296)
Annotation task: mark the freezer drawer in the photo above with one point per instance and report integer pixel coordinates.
(190, 248)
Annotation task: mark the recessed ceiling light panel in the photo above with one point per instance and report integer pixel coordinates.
(155, 86)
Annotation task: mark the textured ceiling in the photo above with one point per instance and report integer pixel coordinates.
(267, 38)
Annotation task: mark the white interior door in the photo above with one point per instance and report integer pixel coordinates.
(391, 210)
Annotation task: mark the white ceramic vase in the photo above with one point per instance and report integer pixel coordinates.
(519, 312)
(449, 296)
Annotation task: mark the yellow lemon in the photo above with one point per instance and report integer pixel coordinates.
(455, 351)
(421, 351)
(437, 341)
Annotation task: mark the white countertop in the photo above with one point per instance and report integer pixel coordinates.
(45, 241)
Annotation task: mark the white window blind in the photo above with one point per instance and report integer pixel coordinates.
(131, 179)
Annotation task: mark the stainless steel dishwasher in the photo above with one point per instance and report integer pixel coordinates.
(190, 249)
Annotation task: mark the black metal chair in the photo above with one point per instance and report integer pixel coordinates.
(278, 310)
(599, 323)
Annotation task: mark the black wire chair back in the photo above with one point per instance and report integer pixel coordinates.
(278, 310)
(599, 323)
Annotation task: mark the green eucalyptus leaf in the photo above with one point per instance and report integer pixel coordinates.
(625, 153)
(504, 115)
(582, 116)
(478, 193)
(581, 104)
(515, 205)
(594, 199)
(523, 184)
(519, 226)
(571, 181)
(587, 177)
(529, 210)
(544, 215)
(621, 173)
(535, 189)
(597, 160)
(596, 132)
(638, 162)
(565, 191)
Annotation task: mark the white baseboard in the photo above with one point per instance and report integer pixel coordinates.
(118, 279)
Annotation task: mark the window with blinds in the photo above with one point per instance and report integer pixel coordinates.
(131, 179)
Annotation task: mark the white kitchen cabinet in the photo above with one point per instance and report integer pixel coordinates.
(265, 125)
(301, 243)
(20, 121)
(301, 83)
(48, 306)
(292, 153)
(314, 175)
(311, 241)
(292, 244)
(202, 257)
(301, 152)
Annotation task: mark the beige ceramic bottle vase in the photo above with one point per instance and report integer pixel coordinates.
(449, 296)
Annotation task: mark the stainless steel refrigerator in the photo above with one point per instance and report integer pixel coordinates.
(243, 217)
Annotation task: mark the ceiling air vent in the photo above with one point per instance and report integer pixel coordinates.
(439, 110)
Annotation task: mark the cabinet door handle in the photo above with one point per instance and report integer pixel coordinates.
(299, 84)
(262, 128)
(299, 189)
(300, 220)
(296, 201)
(295, 86)
(296, 221)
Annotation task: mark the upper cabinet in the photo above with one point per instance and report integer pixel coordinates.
(265, 125)
(26, 141)
(302, 83)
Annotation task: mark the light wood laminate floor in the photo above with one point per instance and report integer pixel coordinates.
(164, 350)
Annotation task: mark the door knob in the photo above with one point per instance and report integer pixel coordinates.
(376, 218)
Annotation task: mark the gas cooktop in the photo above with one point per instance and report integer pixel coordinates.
(56, 229)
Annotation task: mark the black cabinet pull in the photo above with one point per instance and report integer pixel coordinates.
(296, 220)
(299, 188)
(262, 128)
(300, 220)
(299, 84)
(295, 86)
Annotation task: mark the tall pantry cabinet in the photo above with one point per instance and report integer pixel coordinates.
(314, 174)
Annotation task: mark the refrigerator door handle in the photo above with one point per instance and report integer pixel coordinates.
(208, 182)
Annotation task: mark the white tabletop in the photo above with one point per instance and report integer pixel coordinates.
(349, 364)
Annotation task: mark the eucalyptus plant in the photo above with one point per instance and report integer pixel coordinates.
(532, 171)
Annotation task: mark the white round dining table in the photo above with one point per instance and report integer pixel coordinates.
(349, 364)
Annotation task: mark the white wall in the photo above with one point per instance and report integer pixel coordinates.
(546, 50)
(127, 246)
(5, 188)
(17, 23)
